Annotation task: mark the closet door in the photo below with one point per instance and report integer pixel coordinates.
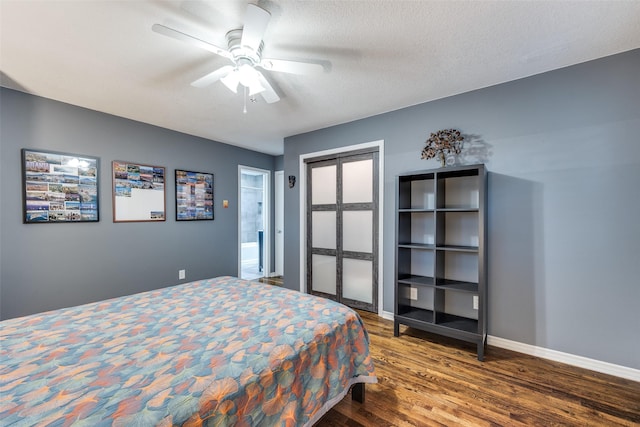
(322, 229)
(342, 239)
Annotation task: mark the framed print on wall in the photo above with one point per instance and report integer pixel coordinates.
(59, 187)
(138, 192)
(194, 195)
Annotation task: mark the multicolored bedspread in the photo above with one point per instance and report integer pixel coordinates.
(216, 352)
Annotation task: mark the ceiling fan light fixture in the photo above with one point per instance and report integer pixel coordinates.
(256, 88)
(247, 75)
(231, 81)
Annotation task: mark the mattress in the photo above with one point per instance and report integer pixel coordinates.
(215, 352)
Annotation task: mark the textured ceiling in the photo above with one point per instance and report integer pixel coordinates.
(384, 55)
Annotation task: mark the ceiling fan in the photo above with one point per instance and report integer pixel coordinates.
(244, 50)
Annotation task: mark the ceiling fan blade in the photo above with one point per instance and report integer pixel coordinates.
(293, 67)
(178, 35)
(269, 95)
(213, 77)
(256, 20)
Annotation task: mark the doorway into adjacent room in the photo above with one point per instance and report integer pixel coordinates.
(253, 220)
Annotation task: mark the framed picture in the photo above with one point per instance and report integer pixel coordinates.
(59, 187)
(194, 196)
(138, 192)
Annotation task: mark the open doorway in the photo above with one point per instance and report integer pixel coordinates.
(253, 219)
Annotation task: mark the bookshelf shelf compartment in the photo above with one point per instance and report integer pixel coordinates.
(457, 248)
(458, 323)
(410, 279)
(456, 285)
(412, 245)
(440, 253)
(417, 314)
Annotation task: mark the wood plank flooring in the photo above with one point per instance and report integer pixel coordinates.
(428, 380)
(277, 281)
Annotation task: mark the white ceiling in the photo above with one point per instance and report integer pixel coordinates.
(384, 55)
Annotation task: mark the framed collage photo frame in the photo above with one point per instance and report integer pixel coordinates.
(59, 187)
(138, 192)
(194, 196)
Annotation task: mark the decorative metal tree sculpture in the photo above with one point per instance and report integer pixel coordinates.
(442, 144)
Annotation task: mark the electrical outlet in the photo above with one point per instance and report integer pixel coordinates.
(182, 274)
(475, 302)
(413, 294)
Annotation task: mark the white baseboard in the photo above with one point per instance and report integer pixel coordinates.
(557, 356)
(569, 359)
(387, 315)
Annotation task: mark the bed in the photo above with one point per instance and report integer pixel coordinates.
(215, 352)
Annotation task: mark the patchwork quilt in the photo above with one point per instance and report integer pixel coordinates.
(215, 352)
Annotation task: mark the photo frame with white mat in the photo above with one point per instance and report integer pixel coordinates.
(138, 192)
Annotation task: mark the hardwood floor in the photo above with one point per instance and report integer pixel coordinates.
(277, 281)
(428, 380)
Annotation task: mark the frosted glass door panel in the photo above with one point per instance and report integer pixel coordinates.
(357, 280)
(357, 182)
(323, 229)
(357, 231)
(323, 181)
(323, 274)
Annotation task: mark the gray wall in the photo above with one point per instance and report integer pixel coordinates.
(48, 266)
(278, 163)
(564, 159)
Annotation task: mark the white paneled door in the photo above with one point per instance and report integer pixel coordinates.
(342, 238)
(279, 221)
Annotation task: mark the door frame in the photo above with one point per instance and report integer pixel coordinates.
(303, 210)
(278, 198)
(266, 212)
